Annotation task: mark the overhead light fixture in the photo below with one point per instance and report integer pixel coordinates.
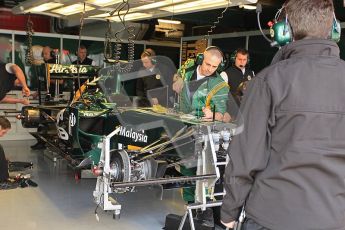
(196, 5)
(73, 9)
(157, 4)
(43, 7)
(169, 21)
(252, 1)
(248, 7)
(103, 2)
(131, 17)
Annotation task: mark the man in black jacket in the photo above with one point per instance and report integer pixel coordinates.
(239, 73)
(5, 181)
(287, 166)
(154, 80)
(10, 76)
(5, 126)
(82, 58)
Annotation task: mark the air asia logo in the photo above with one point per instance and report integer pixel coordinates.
(130, 133)
(57, 68)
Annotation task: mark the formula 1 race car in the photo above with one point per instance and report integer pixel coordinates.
(128, 142)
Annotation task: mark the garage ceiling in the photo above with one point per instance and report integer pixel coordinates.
(195, 14)
(133, 9)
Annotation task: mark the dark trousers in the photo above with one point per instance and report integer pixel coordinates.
(3, 166)
(250, 224)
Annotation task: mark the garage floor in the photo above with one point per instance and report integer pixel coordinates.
(59, 202)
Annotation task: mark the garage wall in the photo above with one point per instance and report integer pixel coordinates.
(261, 53)
(13, 46)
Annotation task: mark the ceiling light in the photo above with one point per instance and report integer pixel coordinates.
(43, 7)
(169, 21)
(196, 6)
(131, 17)
(73, 9)
(252, 1)
(248, 7)
(106, 9)
(103, 2)
(99, 15)
(157, 4)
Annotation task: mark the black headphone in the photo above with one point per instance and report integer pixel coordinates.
(281, 32)
(200, 58)
(151, 56)
(52, 53)
(234, 55)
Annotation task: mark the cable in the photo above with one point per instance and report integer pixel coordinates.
(79, 43)
(258, 12)
(99, 203)
(29, 56)
(215, 23)
(124, 6)
(78, 61)
(107, 42)
(118, 45)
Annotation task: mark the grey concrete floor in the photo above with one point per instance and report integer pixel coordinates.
(59, 202)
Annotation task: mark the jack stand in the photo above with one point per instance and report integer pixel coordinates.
(102, 198)
(191, 207)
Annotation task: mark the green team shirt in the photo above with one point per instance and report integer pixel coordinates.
(213, 92)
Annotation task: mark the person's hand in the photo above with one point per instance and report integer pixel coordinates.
(229, 225)
(25, 101)
(208, 114)
(227, 118)
(35, 95)
(178, 85)
(26, 91)
(154, 101)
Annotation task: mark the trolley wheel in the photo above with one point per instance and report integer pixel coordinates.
(77, 175)
(116, 216)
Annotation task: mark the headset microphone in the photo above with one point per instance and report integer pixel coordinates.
(276, 28)
(258, 12)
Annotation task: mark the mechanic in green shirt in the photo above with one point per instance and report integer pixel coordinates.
(200, 87)
(201, 91)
